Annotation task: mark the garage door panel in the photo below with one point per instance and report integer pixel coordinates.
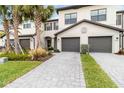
(100, 44)
(71, 44)
(25, 43)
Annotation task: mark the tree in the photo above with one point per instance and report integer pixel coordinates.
(16, 21)
(5, 16)
(39, 14)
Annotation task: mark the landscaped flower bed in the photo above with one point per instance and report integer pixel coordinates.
(120, 52)
(16, 57)
(34, 55)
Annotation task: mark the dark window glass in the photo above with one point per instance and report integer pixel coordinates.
(45, 27)
(55, 25)
(98, 15)
(48, 43)
(102, 17)
(25, 26)
(93, 18)
(118, 20)
(70, 18)
(48, 26)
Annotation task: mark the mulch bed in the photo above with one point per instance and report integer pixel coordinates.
(119, 54)
(43, 59)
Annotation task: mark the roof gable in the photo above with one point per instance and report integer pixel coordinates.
(91, 22)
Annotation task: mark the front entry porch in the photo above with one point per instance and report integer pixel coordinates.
(50, 42)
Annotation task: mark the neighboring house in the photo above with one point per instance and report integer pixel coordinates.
(26, 35)
(99, 26)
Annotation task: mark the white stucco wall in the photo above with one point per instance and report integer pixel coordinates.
(92, 30)
(26, 31)
(85, 13)
(22, 31)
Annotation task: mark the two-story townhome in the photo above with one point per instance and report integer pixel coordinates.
(26, 35)
(99, 26)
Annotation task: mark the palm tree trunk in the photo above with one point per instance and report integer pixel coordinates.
(6, 29)
(16, 37)
(38, 23)
(16, 40)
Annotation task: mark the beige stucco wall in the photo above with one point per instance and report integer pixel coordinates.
(85, 13)
(92, 30)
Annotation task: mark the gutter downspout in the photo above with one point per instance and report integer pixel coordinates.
(34, 42)
(122, 29)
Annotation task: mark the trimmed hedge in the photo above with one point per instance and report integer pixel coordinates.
(16, 57)
(84, 48)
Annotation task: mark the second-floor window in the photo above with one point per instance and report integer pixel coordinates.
(70, 18)
(118, 19)
(27, 25)
(55, 25)
(48, 26)
(98, 15)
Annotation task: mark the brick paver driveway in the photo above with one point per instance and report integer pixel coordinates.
(113, 65)
(62, 70)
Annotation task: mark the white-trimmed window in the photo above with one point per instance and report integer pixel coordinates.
(55, 25)
(26, 25)
(70, 18)
(48, 26)
(99, 15)
(118, 19)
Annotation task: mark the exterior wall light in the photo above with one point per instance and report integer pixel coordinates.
(83, 30)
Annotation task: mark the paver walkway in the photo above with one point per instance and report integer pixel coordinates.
(62, 70)
(113, 65)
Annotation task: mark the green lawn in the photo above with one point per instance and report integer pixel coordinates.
(95, 77)
(12, 70)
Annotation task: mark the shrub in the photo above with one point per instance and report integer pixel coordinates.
(56, 50)
(50, 48)
(121, 52)
(84, 48)
(38, 53)
(16, 57)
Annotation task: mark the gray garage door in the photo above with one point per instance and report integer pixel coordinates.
(100, 44)
(25, 43)
(71, 44)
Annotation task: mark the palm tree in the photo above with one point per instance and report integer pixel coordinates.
(5, 16)
(16, 21)
(39, 14)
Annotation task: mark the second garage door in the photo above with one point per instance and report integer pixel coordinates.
(100, 44)
(71, 44)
